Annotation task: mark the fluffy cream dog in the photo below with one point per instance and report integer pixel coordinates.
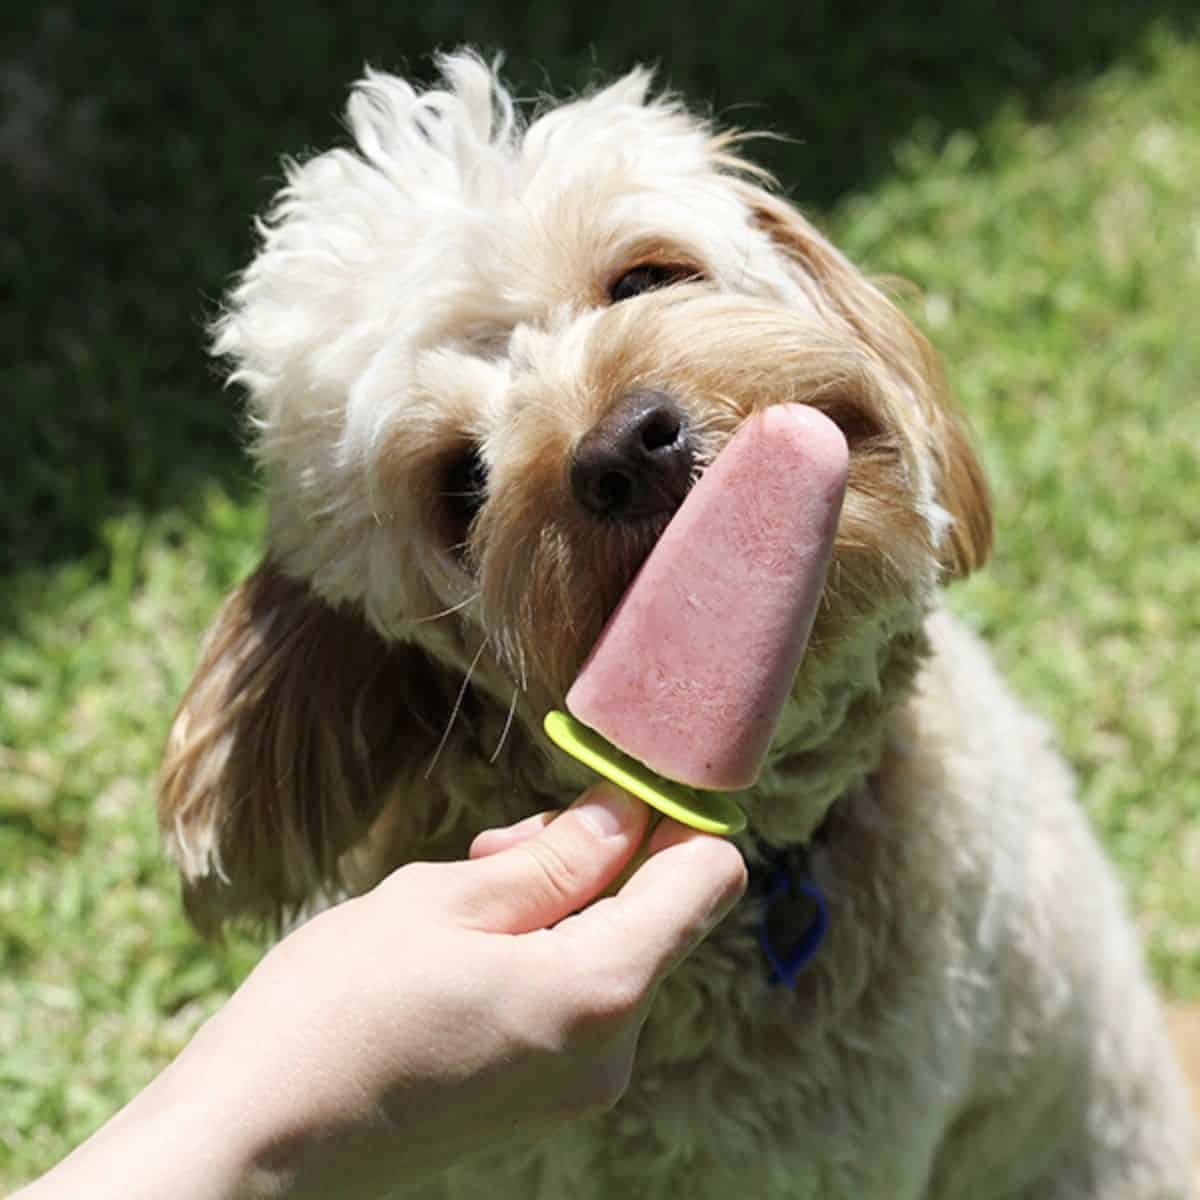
(436, 320)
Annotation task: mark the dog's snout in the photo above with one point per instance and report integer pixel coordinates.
(637, 461)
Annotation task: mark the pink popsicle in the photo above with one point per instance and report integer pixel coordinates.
(693, 669)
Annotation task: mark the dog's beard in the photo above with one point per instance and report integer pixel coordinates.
(546, 596)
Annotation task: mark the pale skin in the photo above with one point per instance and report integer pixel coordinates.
(455, 1007)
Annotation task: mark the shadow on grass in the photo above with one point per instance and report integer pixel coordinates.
(142, 138)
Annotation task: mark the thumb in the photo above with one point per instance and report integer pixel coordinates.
(541, 880)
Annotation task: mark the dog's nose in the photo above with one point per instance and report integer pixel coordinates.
(637, 461)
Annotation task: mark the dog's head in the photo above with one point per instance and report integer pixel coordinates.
(485, 359)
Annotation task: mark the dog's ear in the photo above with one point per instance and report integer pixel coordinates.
(299, 719)
(842, 289)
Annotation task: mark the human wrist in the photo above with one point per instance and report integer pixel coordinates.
(276, 1070)
(169, 1141)
(222, 1092)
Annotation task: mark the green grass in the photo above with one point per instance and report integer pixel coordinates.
(101, 982)
(1056, 238)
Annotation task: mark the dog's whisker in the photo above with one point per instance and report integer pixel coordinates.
(458, 701)
(508, 720)
(446, 612)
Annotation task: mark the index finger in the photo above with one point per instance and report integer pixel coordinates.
(680, 893)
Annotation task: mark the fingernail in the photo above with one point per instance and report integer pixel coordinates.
(606, 810)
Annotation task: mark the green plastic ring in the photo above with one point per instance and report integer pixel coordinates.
(710, 812)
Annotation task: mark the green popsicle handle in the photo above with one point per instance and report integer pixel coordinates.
(710, 812)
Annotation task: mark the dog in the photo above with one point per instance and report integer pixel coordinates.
(436, 318)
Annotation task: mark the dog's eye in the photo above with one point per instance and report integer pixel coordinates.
(646, 278)
(463, 491)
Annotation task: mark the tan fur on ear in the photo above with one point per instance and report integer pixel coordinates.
(961, 487)
(283, 749)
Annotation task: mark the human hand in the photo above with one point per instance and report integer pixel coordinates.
(408, 1028)
(455, 1006)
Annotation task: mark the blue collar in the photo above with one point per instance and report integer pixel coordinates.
(794, 917)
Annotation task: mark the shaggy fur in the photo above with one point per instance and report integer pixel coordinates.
(426, 334)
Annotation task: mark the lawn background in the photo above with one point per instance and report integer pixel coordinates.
(1034, 168)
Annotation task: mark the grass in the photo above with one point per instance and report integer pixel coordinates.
(1055, 235)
